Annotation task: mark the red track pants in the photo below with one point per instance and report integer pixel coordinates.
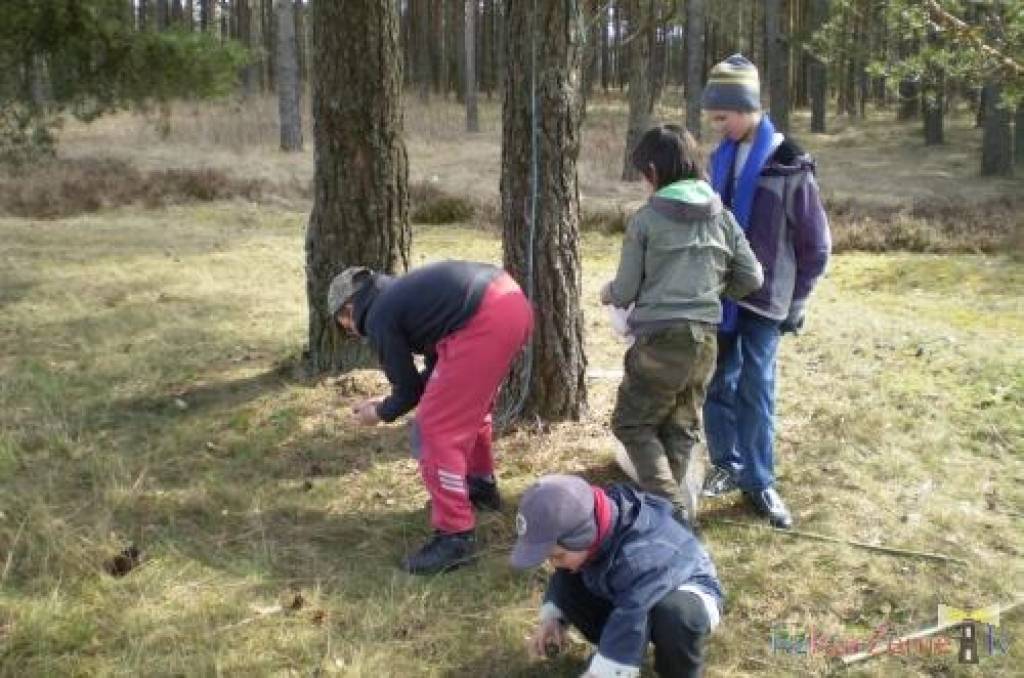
(454, 415)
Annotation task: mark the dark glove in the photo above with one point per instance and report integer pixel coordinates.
(794, 322)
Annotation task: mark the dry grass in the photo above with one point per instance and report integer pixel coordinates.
(884, 189)
(145, 398)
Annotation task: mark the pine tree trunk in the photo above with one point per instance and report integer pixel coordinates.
(639, 81)
(177, 13)
(818, 72)
(289, 90)
(777, 57)
(243, 10)
(934, 111)
(302, 44)
(694, 64)
(472, 115)
(441, 49)
(606, 52)
(996, 141)
(360, 201)
(457, 50)
(592, 53)
(1018, 137)
(545, 259)
(163, 15)
(422, 50)
(205, 15)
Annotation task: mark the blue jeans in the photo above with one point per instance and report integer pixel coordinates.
(739, 413)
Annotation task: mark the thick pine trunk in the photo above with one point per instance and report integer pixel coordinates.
(640, 103)
(360, 201)
(289, 88)
(545, 259)
(694, 64)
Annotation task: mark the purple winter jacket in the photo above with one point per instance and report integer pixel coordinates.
(788, 232)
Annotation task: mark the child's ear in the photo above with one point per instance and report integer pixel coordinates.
(651, 174)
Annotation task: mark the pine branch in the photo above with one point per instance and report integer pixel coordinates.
(942, 17)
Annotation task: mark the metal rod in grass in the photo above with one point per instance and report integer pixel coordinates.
(889, 550)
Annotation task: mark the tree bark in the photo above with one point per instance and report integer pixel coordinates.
(694, 64)
(543, 252)
(640, 104)
(472, 114)
(360, 183)
(996, 141)
(289, 88)
(777, 56)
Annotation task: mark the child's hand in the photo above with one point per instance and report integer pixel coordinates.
(366, 412)
(550, 633)
(794, 322)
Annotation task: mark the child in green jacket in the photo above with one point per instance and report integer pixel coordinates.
(682, 252)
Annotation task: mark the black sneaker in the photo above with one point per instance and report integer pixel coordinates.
(718, 482)
(484, 494)
(767, 502)
(443, 553)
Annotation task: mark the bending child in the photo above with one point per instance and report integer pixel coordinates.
(469, 321)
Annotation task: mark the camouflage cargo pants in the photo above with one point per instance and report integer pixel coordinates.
(658, 411)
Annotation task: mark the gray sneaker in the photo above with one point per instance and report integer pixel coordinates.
(718, 482)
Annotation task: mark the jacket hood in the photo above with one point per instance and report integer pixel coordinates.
(687, 200)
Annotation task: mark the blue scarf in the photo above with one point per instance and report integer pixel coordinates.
(741, 204)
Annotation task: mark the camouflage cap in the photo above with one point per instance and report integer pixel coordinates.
(344, 286)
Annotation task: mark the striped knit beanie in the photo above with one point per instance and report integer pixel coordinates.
(733, 85)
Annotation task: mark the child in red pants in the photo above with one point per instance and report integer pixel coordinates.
(469, 321)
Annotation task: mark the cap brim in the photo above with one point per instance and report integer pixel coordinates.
(526, 555)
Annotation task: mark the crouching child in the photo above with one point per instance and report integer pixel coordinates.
(626, 573)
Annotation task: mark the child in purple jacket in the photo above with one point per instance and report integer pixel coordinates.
(768, 183)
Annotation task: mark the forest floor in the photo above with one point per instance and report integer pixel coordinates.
(149, 396)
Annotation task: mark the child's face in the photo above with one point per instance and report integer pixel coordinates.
(566, 560)
(347, 321)
(731, 124)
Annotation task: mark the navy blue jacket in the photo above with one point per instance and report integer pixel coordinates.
(646, 556)
(410, 314)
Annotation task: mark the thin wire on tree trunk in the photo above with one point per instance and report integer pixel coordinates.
(506, 417)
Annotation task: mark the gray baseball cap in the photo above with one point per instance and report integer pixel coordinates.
(344, 286)
(556, 510)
